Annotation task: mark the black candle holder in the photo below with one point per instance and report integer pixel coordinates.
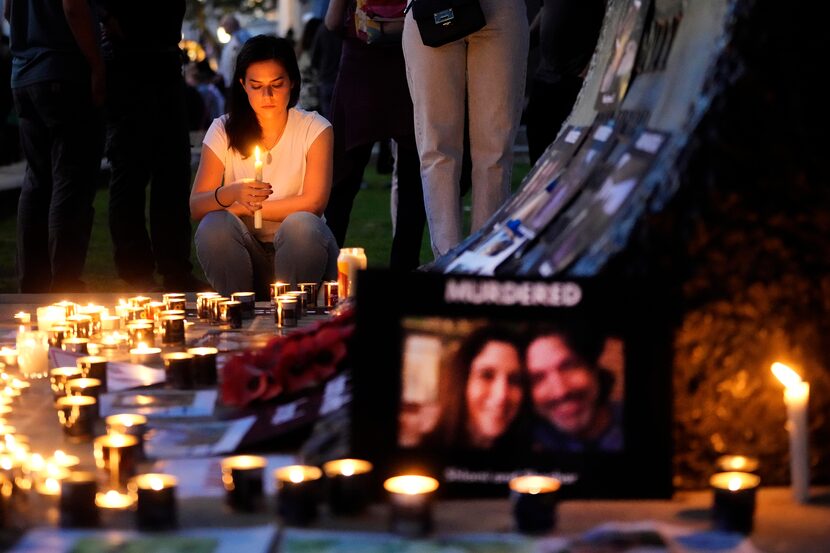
(59, 376)
(215, 313)
(298, 493)
(203, 367)
(57, 334)
(141, 332)
(230, 313)
(80, 325)
(311, 290)
(77, 501)
(177, 369)
(117, 456)
(76, 345)
(411, 498)
(302, 302)
(278, 289)
(330, 294)
(203, 305)
(349, 485)
(533, 500)
(287, 312)
(248, 301)
(242, 476)
(77, 415)
(172, 330)
(733, 505)
(84, 387)
(155, 501)
(94, 366)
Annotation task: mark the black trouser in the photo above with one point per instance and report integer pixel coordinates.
(410, 217)
(148, 142)
(548, 107)
(60, 133)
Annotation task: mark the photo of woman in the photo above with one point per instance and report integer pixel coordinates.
(480, 395)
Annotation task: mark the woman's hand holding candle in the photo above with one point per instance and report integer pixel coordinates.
(248, 193)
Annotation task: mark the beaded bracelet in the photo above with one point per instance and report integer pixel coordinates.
(216, 197)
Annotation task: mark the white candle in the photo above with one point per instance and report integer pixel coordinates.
(796, 397)
(33, 353)
(258, 178)
(49, 316)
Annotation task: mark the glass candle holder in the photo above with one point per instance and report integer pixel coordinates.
(248, 301)
(411, 498)
(203, 305)
(286, 314)
(172, 330)
(84, 387)
(77, 415)
(176, 302)
(298, 493)
(131, 424)
(141, 332)
(330, 294)
(349, 262)
(736, 463)
(155, 501)
(96, 314)
(213, 305)
(349, 485)
(110, 322)
(33, 353)
(76, 345)
(80, 325)
(203, 367)
(93, 366)
(117, 456)
(533, 500)
(242, 476)
(278, 289)
(59, 376)
(57, 334)
(311, 290)
(139, 301)
(302, 300)
(77, 501)
(177, 369)
(230, 313)
(49, 316)
(733, 505)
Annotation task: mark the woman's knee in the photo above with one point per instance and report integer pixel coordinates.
(215, 230)
(300, 228)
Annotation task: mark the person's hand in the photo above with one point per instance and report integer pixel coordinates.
(250, 193)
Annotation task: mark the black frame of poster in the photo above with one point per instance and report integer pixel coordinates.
(410, 326)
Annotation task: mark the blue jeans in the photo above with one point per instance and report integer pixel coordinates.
(303, 250)
(61, 136)
(488, 69)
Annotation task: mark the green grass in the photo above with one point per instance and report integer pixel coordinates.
(370, 227)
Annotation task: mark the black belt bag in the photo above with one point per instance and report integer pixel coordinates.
(443, 21)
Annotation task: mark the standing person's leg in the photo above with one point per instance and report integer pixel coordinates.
(130, 151)
(437, 84)
(170, 186)
(496, 67)
(410, 213)
(76, 163)
(233, 259)
(304, 250)
(345, 187)
(33, 265)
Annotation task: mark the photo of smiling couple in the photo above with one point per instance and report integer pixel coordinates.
(550, 387)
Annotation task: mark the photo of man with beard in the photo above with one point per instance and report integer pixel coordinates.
(571, 392)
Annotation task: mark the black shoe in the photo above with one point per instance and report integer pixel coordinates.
(185, 283)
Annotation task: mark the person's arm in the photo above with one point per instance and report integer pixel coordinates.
(240, 197)
(81, 23)
(335, 15)
(316, 184)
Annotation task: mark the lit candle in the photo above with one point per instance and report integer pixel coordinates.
(117, 456)
(177, 369)
(258, 178)
(411, 509)
(297, 493)
(349, 262)
(113, 499)
(76, 415)
(84, 387)
(156, 498)
(62, 459)
(23, 321)
(739, 463)
(60, 376)
(349, 485)
(533, 499)
(796, 397)
(203, 366)
(733, 504)
(242, 478)
(33, 353)
(49, 316)
(93, 366)
(144, 355)
(8, 356)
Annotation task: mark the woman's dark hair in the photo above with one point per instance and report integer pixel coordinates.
(242, 125)
(452, 383)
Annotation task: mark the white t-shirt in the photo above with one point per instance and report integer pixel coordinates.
(283, 166)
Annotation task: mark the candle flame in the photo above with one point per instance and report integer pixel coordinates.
(787, 376)
(347, 469)
(296, 475)
(256, 154)
(51, 486)
(734, 484)
(156, 484)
